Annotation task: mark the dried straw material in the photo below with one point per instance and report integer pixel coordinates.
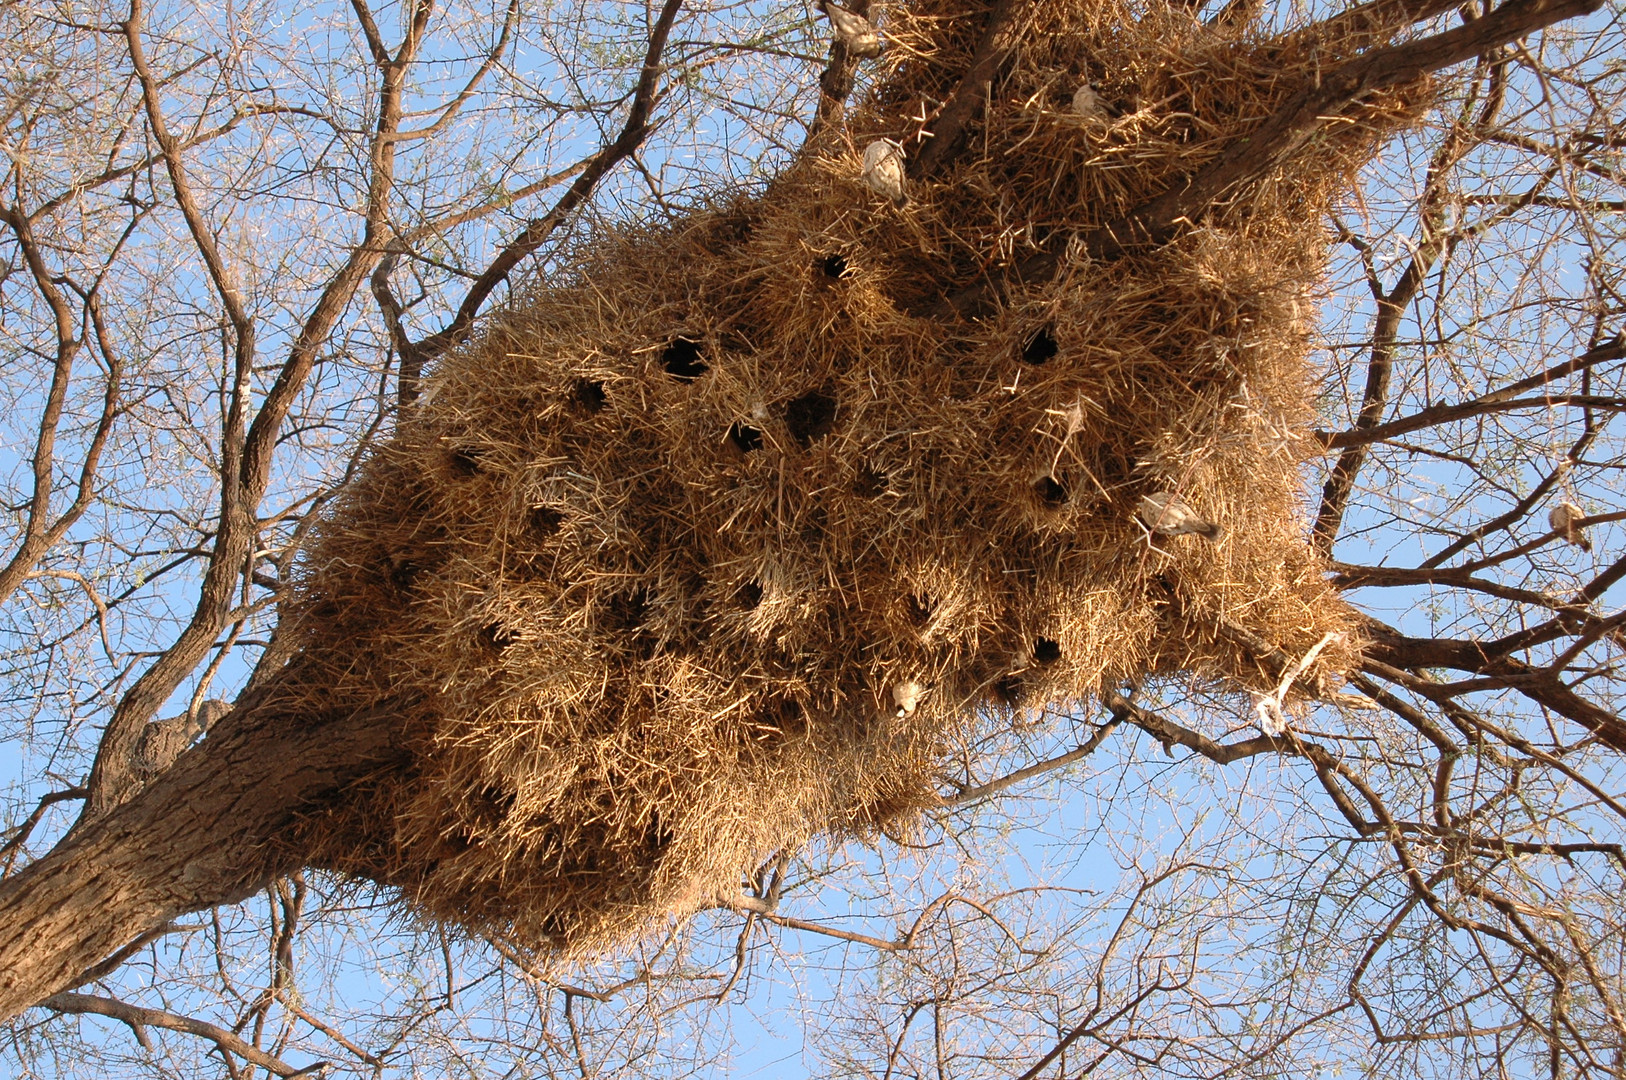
(719, 543)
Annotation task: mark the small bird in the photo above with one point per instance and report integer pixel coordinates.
(906, 696)
(1167, 514)
(1088, 105)
(854, 31)
(883, 170)
(1564, 518)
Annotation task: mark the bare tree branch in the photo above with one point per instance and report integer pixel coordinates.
(138, 1017)
(537, 231)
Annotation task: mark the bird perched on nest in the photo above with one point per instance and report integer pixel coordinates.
(1565, 518)
(906, 696)
(1167, 514)
(1087, 104)
(853, 30)
(883, 170)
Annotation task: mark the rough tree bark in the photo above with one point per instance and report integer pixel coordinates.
(212, 829)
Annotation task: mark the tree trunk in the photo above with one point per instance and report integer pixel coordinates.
(211, 829)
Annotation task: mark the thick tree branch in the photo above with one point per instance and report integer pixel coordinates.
(1513, 515)
(451, 109)
(1317, 104)
(1349, 576)
(1060, 761)
(213, 828)
(1352, 576)
(968, 98)
(1391, 308)
(111, 775)
(1391, 655)
(836, 82)
(246, 448)
(1447, 413)
(19, 836)
(1169, 734)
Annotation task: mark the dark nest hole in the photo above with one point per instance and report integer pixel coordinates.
(553, 925)
(624, 616)
(1041, 348)
(465, 460)
(492, 805)
(745, 437)
(750, 595)
(783, 715)
(546, 522)
(1113, 467)
(496, 636)
(834, 267)
(869, 483)
(658, 836)
(1051, 492)
(919, 609)
(404, 574)
(457, 842)
(626, 611)
(1008, 691)
(682, 360)
(588, 396)
(815, 521)
(810, 417)
(1046, 651)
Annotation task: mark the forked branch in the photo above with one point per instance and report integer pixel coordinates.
(538, 230)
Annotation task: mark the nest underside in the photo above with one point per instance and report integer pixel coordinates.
(653, 565)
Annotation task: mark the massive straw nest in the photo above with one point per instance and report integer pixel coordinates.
(651, 565)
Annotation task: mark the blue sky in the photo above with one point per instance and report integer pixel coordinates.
(1072, 839)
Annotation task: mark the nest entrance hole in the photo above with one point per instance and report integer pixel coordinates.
(497, 636)
(683, 361)
(491, 805)
(546, 522)
(625, 616)
(780, 717)
(745, 437)
(1052, 493)
(920, 609)
(466, 460)
(404, 574)
(588, 396)
(626, 611)
(810, 417)
(1041, 348)
(1009, 691)
(869, 483)
(1046, 651)
(658, 836)
(835, 267)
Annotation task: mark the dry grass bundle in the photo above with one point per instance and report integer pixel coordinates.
(718, 544)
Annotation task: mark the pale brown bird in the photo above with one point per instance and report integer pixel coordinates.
(1088, 105)
(883, 170)
(854, 31)
(906, 696)
(1167, 514)
(1565, 518)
